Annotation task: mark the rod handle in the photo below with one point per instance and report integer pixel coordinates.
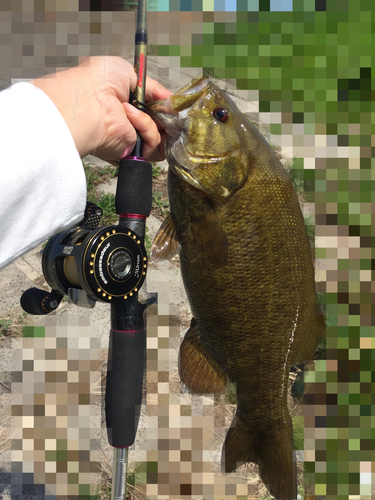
(126, 365)
(134, 187)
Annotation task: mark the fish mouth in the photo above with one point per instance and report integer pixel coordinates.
(209, 158)
(164, 115)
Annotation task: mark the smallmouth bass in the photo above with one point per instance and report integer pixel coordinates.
(247, 269)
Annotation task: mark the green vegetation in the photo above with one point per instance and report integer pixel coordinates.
(142, 472)
(97, 175)
(12, 325)
(231, 394)
(106, 201)
(5, 326)
(310, 229)
(321, 350)
(148, 243)
(296, 174)
(156, 170)
(159, 201)
(309, 63)
(298, 429)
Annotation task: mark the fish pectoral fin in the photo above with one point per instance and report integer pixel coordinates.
(198, 370)
(165, 244)
(272, 451)
(209, 236)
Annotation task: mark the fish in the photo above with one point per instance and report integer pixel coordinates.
(247, 268)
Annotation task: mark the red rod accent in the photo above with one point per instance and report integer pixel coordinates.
(132, 216)
(138, 158)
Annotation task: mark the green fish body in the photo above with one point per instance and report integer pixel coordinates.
(247, 269)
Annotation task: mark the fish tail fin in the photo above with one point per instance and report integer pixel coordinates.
(272, 451)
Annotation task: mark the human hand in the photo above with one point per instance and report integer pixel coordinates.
(93, 100)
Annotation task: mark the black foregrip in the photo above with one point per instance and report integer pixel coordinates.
(134, 187)
(126, 362)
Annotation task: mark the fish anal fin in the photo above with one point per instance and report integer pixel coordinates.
(198, 370)
(272, 451)
(209, 237)
(165, 244)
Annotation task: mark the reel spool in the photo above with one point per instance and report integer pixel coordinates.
(107, 263)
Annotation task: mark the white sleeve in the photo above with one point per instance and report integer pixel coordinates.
(42, 181)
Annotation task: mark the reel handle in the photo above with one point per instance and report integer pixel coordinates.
(40, 302)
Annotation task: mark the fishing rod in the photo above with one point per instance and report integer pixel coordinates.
(91, 263)
(133, 205)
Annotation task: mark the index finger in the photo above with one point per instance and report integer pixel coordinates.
(155, 91)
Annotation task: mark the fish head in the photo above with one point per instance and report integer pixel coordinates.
(207, 137)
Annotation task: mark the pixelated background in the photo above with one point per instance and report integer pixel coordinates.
(305, 69)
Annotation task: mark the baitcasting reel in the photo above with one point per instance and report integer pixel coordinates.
(91, 263)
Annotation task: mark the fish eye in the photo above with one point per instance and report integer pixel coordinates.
(221, 114)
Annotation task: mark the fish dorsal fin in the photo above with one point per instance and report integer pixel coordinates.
(165, 244)
(209, 236)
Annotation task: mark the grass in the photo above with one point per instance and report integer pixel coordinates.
(148, 243)
(310, 229)
(156, 170)
(298, 429)
(321, 350)
(138, 476)
(231, 394)
(5, 326)
(159, 199)
(307, 61)
(13, 324)
(97, 175)
(106, 201)
(159, 202)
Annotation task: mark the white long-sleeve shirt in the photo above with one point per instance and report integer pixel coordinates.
(42, 181)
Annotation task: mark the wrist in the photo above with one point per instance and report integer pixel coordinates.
(72, 96)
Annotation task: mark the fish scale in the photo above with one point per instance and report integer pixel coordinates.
(247, 270)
